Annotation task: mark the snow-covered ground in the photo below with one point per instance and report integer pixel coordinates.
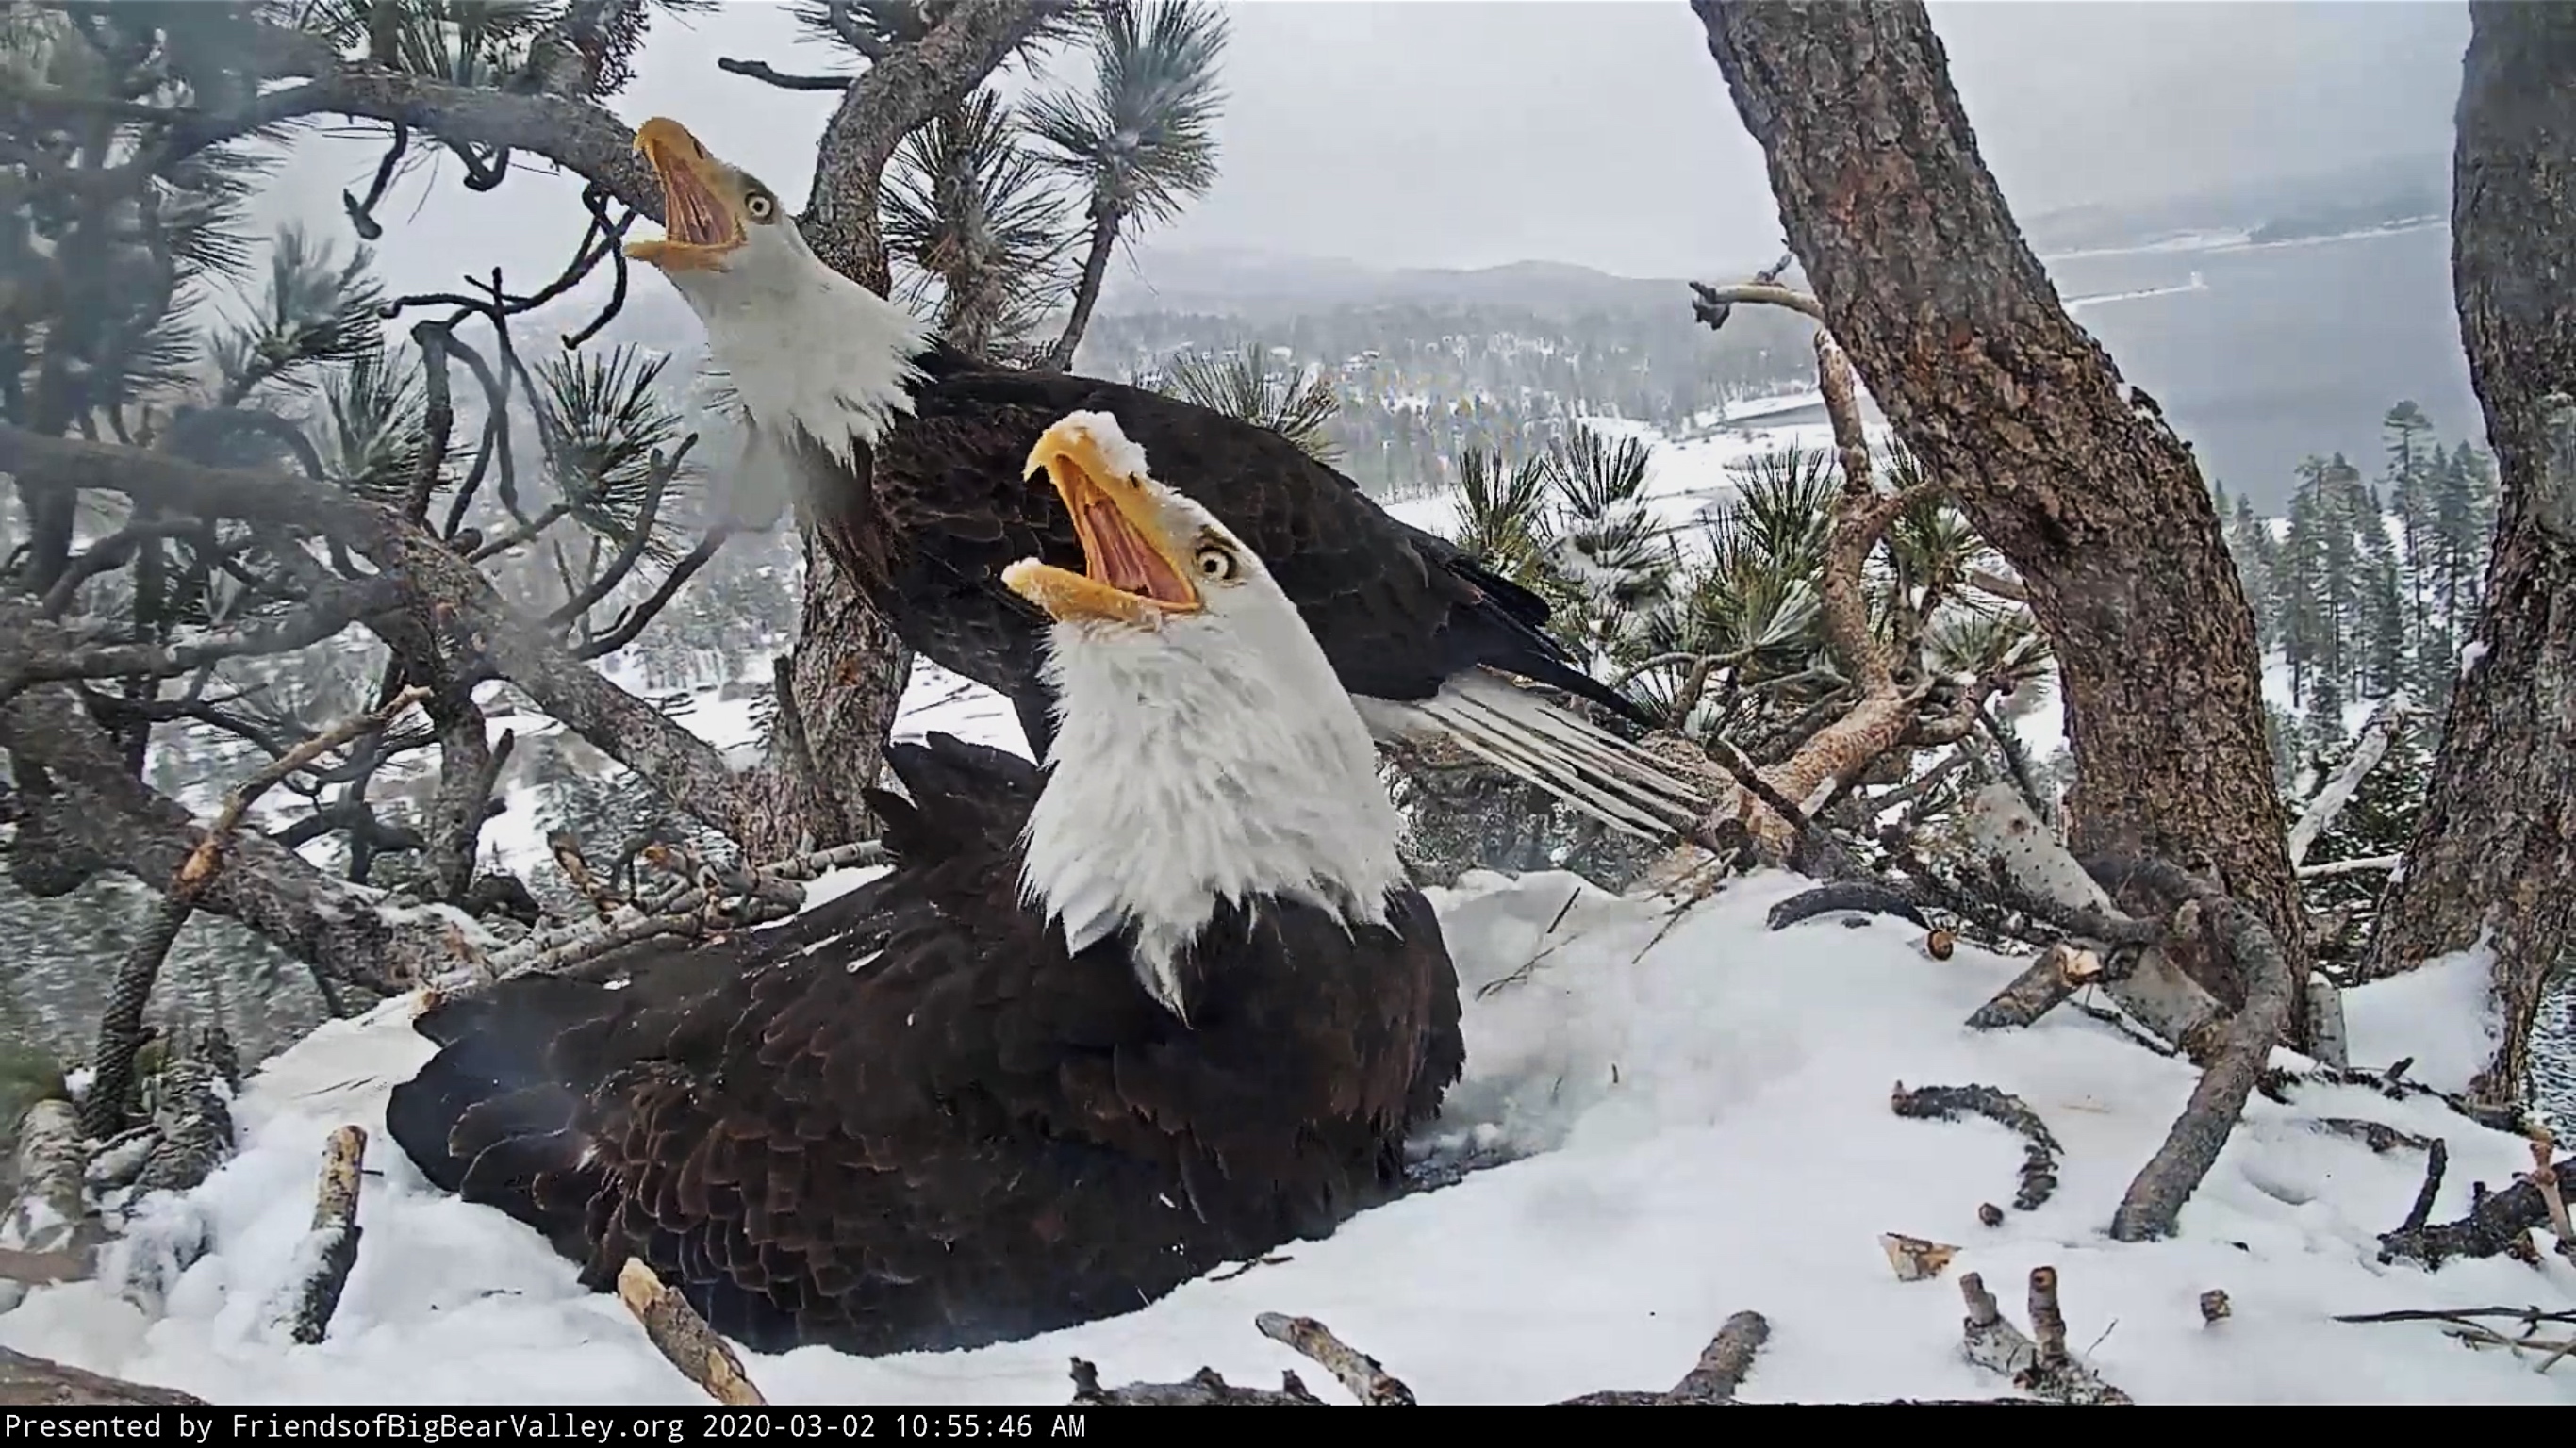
(1713, 1133)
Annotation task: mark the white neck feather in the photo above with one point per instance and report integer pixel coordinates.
(808, 349)
(1211, 759)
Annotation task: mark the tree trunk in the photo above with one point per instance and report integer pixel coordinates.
(850, 668)
(1095, 270)
(2495, 850)
(1958, 333)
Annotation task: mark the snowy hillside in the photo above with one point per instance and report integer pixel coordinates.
(1712, 1128)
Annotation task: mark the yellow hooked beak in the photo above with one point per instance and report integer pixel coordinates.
(702, 215)
(1132, 573)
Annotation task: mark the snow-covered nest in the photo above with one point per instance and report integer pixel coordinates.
(1714, 1133)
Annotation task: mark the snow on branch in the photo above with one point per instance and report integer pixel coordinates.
(1948, 1103)
(2368, 748)
(330, 1249)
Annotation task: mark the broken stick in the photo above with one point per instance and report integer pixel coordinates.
(2041, 1368)
(330, 1249)
(1359, 1372)
(684, 1338)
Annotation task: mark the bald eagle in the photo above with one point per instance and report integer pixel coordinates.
(1167, 1003)
(909, 452)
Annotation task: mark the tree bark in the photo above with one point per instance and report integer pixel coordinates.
(850, 669)
(2494, 853)
(1957, 331)
(1095, 270)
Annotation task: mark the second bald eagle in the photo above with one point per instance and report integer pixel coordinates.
(913, 458)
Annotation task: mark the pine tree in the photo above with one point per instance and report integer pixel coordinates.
(2379, 821)
(2412, 454)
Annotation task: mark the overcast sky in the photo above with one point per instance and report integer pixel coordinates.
(1474, 132)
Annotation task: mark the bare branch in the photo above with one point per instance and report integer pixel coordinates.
(2155, 1199)
(2368, 748)
(760, 70)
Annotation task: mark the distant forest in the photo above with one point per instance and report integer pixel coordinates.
(1416, 385)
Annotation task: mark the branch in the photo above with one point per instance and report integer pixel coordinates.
(120, 1027)
(2155, 1199)
(2498, 1223)
(683, 1337)
(33, 1382)
(580, 137)
(438, 583)
(1715, 304)
(900, 92)
(1713, 1381)
(2362, 865)
(2039, 1161)
(2368, 748)
(330, 1249)
(92, 804)
(52, 1156)
(760, 70)
(1359, 1372)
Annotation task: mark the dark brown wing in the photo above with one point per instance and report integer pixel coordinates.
(1399, 611)
(909, 1120)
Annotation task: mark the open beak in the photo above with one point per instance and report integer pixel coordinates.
(1131, 573)
(700, 217)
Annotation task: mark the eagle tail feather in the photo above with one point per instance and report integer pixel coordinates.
(1587, 767)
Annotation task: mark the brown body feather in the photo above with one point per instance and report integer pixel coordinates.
(908, 1120)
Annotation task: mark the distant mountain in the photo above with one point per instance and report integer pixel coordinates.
(2386, 188)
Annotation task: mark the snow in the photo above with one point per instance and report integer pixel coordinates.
(1687, 476)
(2384, 1022)
(2469, 656)
(1710, 1113)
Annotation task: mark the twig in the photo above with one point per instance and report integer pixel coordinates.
(1815, 851)
(568, 858)
(2363, 865)
(683, 1337)
(1359, 1372)
(760, 70)
(1948, 1103)
(2381, 1139)
(330, 1249)
(1204, 1387)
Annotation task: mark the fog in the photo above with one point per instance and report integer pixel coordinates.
(1463, 133)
